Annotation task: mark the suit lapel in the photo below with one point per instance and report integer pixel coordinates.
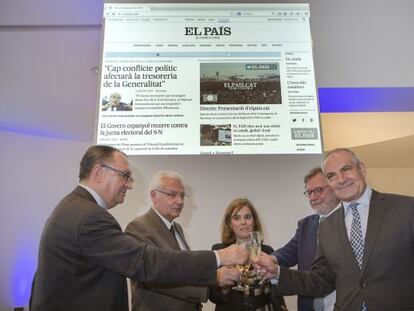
(313, 232)
(343, 238)
(181, 234)
(375, 216)
(165, 233)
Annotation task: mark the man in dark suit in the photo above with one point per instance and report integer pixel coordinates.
(301, 249)
(158, 228)
(366, 247)
(84, 256)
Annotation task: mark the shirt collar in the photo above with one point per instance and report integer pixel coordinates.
(164, 220)
(363, 201)
(96, 196)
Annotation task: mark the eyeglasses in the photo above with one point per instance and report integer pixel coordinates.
(317, 191)
(174, 194)
(125, 174)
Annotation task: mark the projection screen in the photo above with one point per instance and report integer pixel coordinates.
(208, 79)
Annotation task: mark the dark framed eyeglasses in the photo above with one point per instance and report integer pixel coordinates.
(125, 174)
(317, 191)
(173, 194)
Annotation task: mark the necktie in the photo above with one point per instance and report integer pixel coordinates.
(321, 219)
(357, 241)
(172, 230)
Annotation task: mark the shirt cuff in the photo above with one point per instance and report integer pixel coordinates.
(218, 260)
(275, 280)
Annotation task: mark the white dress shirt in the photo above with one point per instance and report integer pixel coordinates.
(363, 209)
(177, 236)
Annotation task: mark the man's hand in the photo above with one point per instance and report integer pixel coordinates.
(233, 255)
(227, 276)
(267, 264)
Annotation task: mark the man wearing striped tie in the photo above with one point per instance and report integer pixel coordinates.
(301, 249)
(366, 247)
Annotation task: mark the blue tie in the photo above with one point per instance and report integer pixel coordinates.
(356, 239)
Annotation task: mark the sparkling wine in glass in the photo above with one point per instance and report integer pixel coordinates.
(244, 268)
(254, 251)
(255, 248)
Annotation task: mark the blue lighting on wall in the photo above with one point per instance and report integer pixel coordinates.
(375, 99)
(25, 130)
(22, 275)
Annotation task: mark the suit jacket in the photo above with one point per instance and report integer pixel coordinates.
(233, 301)
(301, 251)
(84, 258)
(386, 280)
(150, 229)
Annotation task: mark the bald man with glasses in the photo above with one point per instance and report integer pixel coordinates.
(301, 249)
(84, 257)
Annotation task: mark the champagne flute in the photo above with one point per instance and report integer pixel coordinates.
(255, 248)
(255, 245)
(242, 268)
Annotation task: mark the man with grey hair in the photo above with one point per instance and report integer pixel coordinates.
(366, 247)
(301, 249)
(158, 228)
(84, 257)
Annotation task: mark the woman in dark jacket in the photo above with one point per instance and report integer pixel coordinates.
(240, 218)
